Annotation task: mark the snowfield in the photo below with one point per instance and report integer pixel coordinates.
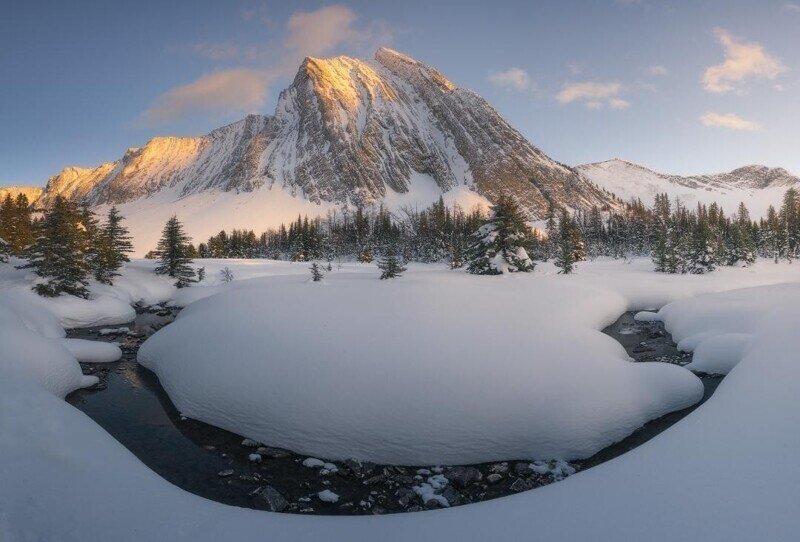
(726, 472)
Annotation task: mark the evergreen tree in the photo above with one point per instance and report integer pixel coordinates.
(4, 250)
(499, 244)
(113, 244)
(566, 249)
(316, 272)
(390, 264)
(701, 249)
(57, 255)
(457, 253)
(16, 224)
(173, 254)
(226, 275)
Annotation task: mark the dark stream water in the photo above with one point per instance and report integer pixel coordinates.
(132, 406)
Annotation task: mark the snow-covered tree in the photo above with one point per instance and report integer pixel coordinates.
(173, 254)
(57, 254)
(390, 264)
(112, 246)
(316, 272)
(498, 246)
(226, 275)
(569, 248)
(701, 256)
(4, 250)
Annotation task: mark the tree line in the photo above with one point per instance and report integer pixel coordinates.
(65, 246)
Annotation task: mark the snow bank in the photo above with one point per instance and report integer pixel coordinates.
(92, 351)
(27, 356)
(436, 367)
(718, 327)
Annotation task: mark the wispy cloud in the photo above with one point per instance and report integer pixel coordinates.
(237, 89)
(593, 95)
(742, 61)
(791, 7)
(515, 78)
(730, 121)
(245, 88)
(657, 70)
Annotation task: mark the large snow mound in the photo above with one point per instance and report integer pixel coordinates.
(436, 367)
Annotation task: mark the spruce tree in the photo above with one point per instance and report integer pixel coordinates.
(702, 257)
(57, 255)
(113, 245)
(173, 254)
(565, 249)
(498, 246)
(226, 275)
(390, 264)
(4, 250)
(316, 272)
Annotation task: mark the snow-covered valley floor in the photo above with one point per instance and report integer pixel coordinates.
(435, 367)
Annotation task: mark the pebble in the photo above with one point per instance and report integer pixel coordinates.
(225, 473)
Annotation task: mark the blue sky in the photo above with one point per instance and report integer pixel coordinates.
(681, 86)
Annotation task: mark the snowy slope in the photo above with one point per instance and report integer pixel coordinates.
(757, 186)
(345, 131)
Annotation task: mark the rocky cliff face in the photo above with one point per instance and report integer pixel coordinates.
(31, 192)
(346, 131)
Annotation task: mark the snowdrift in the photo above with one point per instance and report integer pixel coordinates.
(434, 368)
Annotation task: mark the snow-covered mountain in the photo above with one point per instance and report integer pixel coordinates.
(757, 186)
(390, 130)
(32, 192)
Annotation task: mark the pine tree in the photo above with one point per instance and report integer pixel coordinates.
(4, 250)
(498, 246)
(57, 255)
(316, 272)
(226, 275)
(702, 256)
(390, 264)
(113, 245)
(365, 256)
(457, 253)
(173, 250)
(566, 249)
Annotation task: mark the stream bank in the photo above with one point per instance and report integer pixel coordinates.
(132, 406)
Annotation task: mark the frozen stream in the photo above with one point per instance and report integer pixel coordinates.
(131, 405)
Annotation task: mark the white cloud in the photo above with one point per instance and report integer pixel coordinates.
(239, 89)
(729, 121)
(315, 32)
(515, 78)
(618, 103)
(791, 7)
(593, 95)
(657, 70)
(742, 61)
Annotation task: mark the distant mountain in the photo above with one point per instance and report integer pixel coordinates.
(32, 192)
(392, 131)
(757, 186)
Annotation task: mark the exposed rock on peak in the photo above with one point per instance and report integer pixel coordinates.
(347, 130)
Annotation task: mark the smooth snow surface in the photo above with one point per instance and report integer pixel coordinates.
(440, 367)
(727, 472)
